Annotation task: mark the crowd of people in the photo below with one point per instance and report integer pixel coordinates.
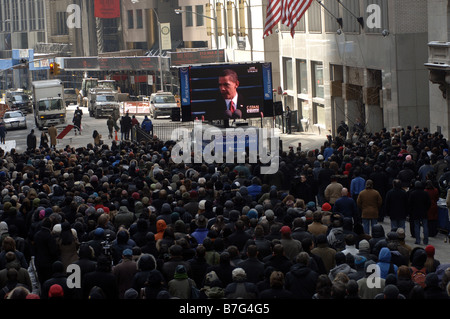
(139, 226)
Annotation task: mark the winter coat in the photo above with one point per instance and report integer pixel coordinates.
(124, 217)
(344, 268)
(419, 203)
(253, 268)
(369, 201)
(241, 290)
(432, 213)
(346, 206)
(333, 192)
(124, 272)
(384, 263)
(200, 234)
(45, 248)
(396, 203)
(327, 255)
(301, 281)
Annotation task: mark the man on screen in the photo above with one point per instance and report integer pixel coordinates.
(232, 102)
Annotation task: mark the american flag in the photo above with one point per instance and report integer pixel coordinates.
(288, 11)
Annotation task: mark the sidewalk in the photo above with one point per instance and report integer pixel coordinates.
(309, 140)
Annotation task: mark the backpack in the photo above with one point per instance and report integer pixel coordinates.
(338, 243)
(418, 276)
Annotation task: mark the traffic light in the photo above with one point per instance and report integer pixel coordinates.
(56, 69)
(52, 68)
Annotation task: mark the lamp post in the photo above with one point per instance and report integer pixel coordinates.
(160, 50)
(179, 11)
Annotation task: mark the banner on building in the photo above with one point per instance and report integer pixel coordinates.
(107, 9)
(166, 42)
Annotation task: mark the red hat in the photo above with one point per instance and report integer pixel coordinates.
(430, 250)
(285, 230)
(135, 195)
(56, 291)
(326, 207)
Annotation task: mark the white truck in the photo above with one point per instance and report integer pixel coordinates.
(49, 103)
(163, 104)
(103, 102)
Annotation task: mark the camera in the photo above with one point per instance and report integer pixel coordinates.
(107, 245)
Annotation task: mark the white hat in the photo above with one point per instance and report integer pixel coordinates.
(201, 204)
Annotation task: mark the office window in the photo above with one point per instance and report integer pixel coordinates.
(350, 22)
(317, 68)
(23, 15)
(61, 25)
(331, 24)
(15, 15)
(7, 15)
(199, 18)
(189, 17)
(288, 80)
(139, 19)
(319, 114)
(130, 19)
(40, 15)
(32, 6)
(302, 77)
(314, 13)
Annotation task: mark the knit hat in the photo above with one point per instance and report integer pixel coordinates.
(131, 294)
(401, 233)
(127, 252)
(285, 230)
(430, 250)
(180, 269)
(201, 204)
(326, 207)
(252, 213)
(391, 292)
(269, 214)
(56, 291)
(135, 195)
(364, 245)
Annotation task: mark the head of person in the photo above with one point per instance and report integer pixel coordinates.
(228, 83)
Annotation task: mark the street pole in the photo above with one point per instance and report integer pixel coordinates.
(160, 50)
(178, 11)
(216, 28)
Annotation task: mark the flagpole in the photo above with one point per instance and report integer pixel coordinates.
(359, 19)
(338, 20)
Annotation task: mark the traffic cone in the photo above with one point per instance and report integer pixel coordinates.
(115, 137)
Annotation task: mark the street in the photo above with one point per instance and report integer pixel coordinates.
(18, 138)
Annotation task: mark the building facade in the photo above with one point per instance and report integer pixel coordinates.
(438, 65)
(350, 62)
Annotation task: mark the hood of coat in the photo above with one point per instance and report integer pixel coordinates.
(161, 225)
(300, 270)
(385, 255)
(123, 210)
(378, 231)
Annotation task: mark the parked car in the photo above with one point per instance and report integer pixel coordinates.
(163, 104)
(15, 119)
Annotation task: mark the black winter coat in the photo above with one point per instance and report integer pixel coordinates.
(301, 281)
(419, 202)
(396, 203)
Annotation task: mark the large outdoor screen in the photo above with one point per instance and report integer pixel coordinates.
(226, 91)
